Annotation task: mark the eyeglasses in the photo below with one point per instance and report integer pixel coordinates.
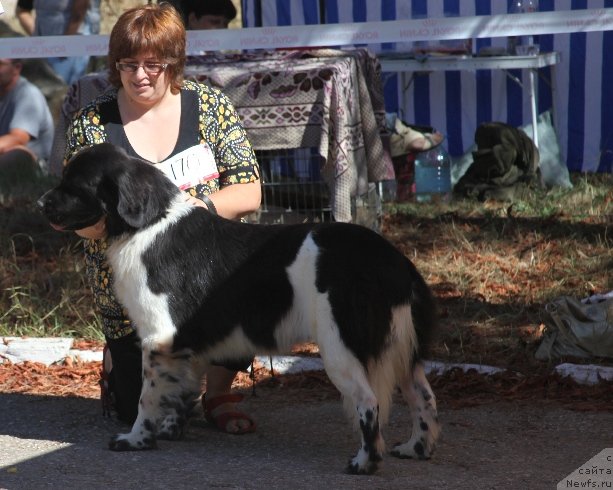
(150, 67)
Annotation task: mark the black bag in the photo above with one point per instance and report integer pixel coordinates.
(504, 166)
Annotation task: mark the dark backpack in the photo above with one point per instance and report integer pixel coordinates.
(505, 164)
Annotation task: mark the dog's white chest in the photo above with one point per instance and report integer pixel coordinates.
(149, 311)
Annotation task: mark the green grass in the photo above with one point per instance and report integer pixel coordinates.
(590, 196)
(495, 265)
(43, 291)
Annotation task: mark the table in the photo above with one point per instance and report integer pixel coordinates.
(326, 99)
(403, 63)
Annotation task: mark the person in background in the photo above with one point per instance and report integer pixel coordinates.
(61, 17)
(206, 14)
(26, 125)
(156, 115)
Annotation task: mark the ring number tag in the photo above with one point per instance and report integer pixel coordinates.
(193, 166)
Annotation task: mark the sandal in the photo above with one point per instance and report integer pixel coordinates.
(221, 421)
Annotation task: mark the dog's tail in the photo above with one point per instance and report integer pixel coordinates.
(413, 327)
(424, 314)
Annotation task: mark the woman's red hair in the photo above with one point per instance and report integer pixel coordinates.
(155, 30)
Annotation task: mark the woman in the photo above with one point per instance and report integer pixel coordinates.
(156, 115)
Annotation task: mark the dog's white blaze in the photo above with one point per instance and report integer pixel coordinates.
(311, 319)
(300, 322)
(149, 312)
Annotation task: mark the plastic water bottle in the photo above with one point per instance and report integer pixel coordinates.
(388, 190)
(433, 175)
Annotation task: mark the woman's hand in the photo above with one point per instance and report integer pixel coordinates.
(233, 201)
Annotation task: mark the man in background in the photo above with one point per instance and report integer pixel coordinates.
(26, 125)
(206, 14)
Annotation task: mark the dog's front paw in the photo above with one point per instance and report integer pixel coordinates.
(172, 428)
(126, 442)
(354, 468)
(363, 464)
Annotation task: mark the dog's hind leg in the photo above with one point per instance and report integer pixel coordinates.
(349, 376)
(168, 394)
(422, 404)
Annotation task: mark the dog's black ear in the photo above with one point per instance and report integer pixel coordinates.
(144, 194)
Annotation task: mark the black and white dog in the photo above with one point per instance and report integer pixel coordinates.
(200, 288)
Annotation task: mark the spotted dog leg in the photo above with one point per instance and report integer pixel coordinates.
(349, 376)
(422, 405)
(168, 394)
(173, 425)
(370, 453)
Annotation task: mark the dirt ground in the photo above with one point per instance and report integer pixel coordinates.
(302, 441)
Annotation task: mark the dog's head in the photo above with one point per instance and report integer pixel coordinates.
(104, 182)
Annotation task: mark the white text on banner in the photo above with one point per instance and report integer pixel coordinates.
(441, 29)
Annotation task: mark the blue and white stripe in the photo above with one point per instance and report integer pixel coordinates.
(457, 102)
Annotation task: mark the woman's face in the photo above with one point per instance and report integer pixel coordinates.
(143, 78)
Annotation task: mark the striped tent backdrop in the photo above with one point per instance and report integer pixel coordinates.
(456, 102)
